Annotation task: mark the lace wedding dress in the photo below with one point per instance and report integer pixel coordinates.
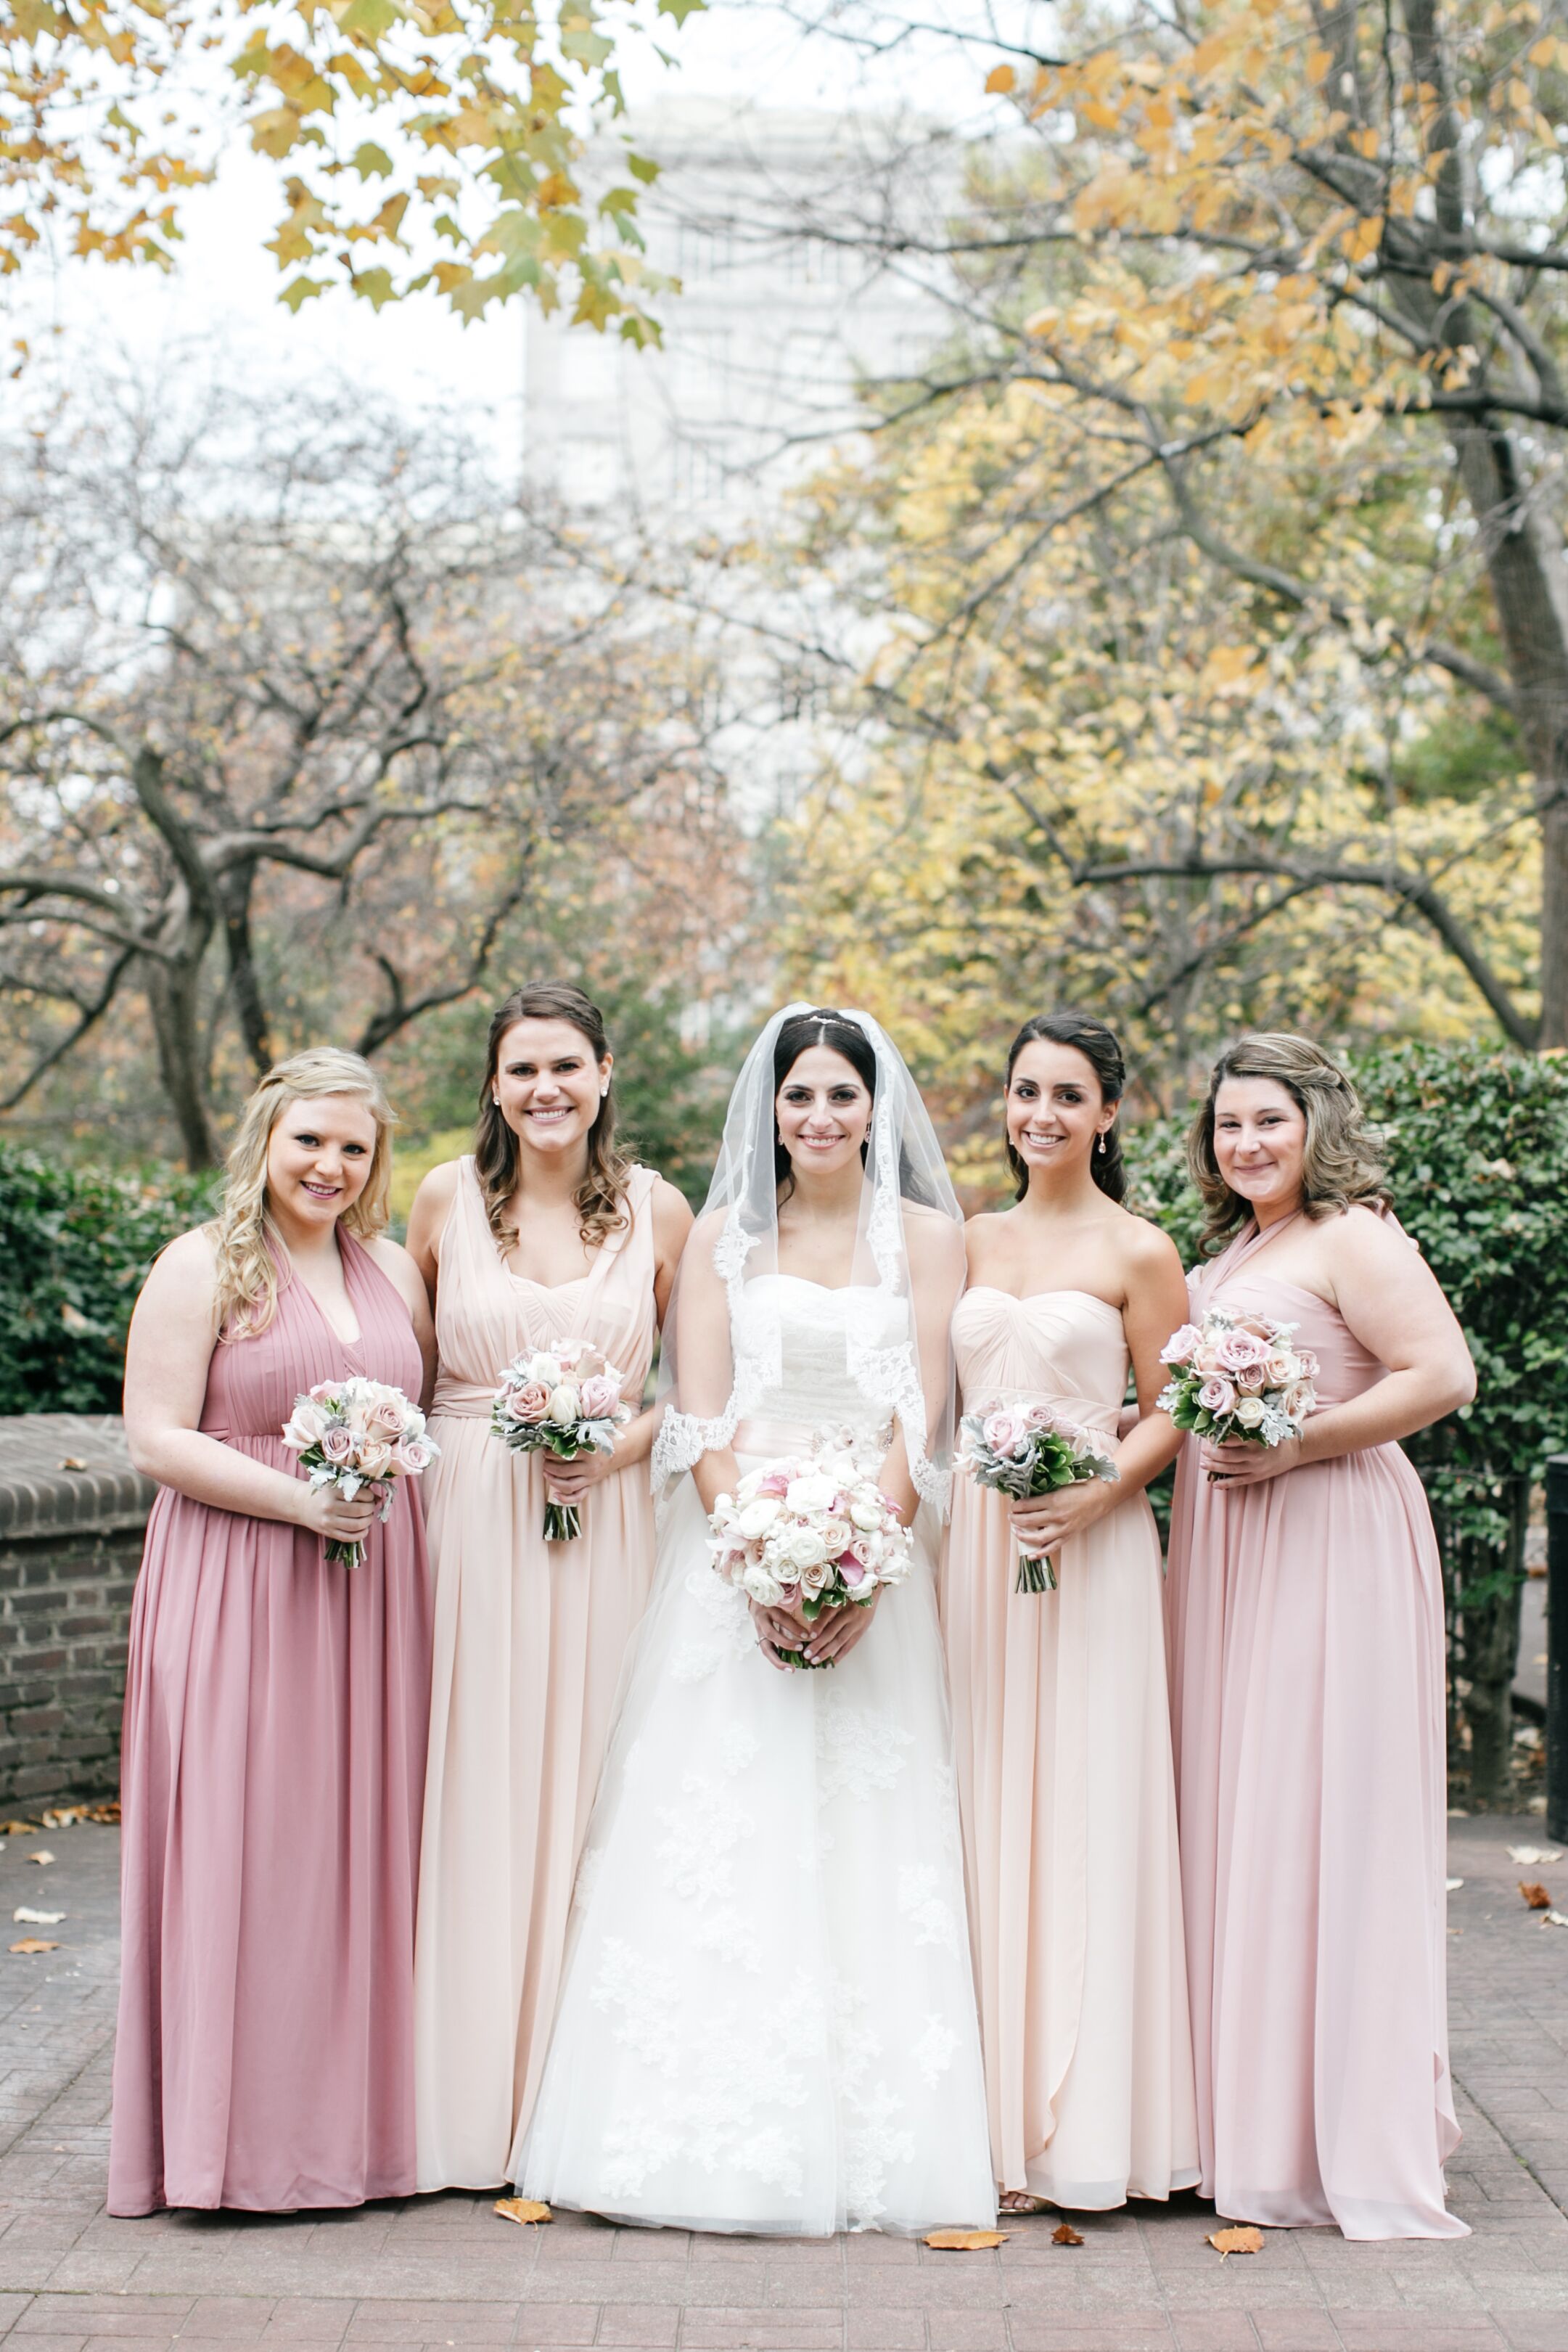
(768, 2021)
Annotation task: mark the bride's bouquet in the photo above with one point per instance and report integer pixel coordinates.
(564, 1400)
(1239, 1376)
(1025, 1450)
(357, 1433)
(810, 1533)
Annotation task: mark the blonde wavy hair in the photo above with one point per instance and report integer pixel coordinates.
(1342, 1162)
(244, 1234)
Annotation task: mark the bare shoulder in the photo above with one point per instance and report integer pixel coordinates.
(438, 1187)
(932, 1239)
(702, 1238)
(1147, 1248)
(1362, 1240)
(187, 1266)
(672, 1217)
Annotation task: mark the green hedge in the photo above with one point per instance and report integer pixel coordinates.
(75, 1246)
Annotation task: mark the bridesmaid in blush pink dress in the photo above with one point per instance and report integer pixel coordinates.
(275, 1703)
(544, 1235)
(1062, 1736)
(1305, 1626)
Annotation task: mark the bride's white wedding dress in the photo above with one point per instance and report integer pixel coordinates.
(768, 2021)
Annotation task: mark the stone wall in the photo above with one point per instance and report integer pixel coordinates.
(72, 1512)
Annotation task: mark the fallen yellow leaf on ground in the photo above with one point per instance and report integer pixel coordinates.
(1244, 2240)
(1064, 2234)
(522, 2208)
(18, 1828)
(45, 1856)
(34, 1944)
(1535, 1894)
(965, 2242)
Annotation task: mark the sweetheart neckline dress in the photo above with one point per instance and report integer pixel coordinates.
(1062, 1736)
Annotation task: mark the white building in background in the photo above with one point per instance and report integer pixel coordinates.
(765, 341)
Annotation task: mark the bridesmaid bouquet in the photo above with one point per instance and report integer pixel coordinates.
(564, 1400)
(1030, 1449)
(357, 1433)
(1239, 1376)
(809, 1533)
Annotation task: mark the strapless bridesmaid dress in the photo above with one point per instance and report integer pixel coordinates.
(1062, 1739)
(1307, 1689)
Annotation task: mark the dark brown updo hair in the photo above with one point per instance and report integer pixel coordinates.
(1342, 1163)
(822, 1026)
(1101, 1050)
(600, 1198)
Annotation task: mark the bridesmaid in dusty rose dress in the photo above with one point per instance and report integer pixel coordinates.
(1305, 1620)
(275, 1706)
(545, 1234)
(1062, 1736)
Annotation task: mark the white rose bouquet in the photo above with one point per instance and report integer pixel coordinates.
(564, 1400)
(357, 1433)
(1239, 1376)
(809, 1533)
(1030, 1449)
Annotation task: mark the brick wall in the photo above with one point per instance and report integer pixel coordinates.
(72, 1511)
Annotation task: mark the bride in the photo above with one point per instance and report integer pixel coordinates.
(768, 2021)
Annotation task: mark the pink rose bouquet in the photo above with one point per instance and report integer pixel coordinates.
(564, 1400)
(357, 1433)
(809, 1533)
(1239, 1376)
(1030, 1449)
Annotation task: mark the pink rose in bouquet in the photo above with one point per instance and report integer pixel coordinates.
(358, 1436)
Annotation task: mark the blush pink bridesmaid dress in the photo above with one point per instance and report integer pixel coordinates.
(530, 1638)
(271, 1775)
(1305, 1625)
(1061, 1741)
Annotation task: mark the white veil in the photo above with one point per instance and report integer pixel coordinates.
(723, 1348)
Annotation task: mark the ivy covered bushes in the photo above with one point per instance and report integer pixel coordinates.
(1478, 1165)
(74, 1243)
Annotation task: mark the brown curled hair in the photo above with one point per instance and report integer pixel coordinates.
(1342, 1162)
(600, 1198)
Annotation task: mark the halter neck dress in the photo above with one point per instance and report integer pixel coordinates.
(1306, 1635)
(529, 1642)
(271, 1775)
(1062, 1739)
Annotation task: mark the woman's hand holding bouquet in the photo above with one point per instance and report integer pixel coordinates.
(1029, 1450)
(353, 1438)
(565, 1402)
(1239, 1380)
(810, 1534)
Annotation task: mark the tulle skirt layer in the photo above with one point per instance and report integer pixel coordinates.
(768, 2023)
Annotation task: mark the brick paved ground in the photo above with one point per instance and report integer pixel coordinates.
(445, 2272)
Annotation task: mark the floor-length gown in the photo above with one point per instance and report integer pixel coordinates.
(1061, 1738)
(1305, 1622)
(271, 1776)
(530, 1638)
(768, 2021)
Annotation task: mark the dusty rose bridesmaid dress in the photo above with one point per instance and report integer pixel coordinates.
(271, 1776)
(529, 1642)
(1061, 1740)
(1305, 1625)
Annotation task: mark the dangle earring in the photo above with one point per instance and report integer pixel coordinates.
(1100, 1145)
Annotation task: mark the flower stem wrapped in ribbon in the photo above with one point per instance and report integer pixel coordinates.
(564, 1400)
(1239, 1376)
(810, 1533)
(1030, 1449)
(358, 1433)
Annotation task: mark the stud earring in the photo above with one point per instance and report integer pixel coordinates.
(494, 1102)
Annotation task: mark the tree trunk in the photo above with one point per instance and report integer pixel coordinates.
(1530, 592)
(245, 985)
(173, 998)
